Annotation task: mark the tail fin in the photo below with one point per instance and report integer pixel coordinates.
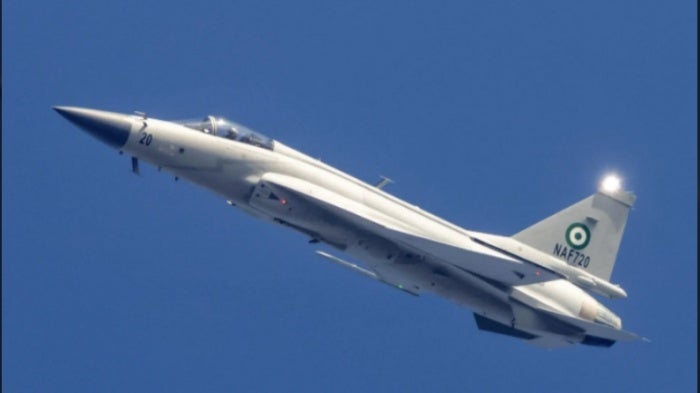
(586, 234)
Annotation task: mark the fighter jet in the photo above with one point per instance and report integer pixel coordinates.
(536, 285)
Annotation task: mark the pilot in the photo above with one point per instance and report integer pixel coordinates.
(231, 134)
(246, 139)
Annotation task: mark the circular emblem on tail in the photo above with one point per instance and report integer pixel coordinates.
(577, 236)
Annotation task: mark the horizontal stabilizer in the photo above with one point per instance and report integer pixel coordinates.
(492, 326)
(595, 332)
(545, 341)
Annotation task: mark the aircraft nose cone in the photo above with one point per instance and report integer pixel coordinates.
(109, 127)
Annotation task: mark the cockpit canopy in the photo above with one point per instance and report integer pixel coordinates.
(221, 127)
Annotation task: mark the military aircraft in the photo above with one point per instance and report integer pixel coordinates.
(536, 285)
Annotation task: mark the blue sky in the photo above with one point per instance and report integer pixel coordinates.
(491, 115)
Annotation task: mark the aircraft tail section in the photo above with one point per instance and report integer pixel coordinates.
(586, 234)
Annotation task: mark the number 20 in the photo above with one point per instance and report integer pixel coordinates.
(146, 139)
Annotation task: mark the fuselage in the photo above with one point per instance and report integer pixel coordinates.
(236, 170)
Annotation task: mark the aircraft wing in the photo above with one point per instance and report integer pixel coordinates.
(473, 257)
(477, 259)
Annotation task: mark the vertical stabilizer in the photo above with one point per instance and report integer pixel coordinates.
(586, 234)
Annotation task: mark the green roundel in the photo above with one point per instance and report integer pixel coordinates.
(577, 236)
